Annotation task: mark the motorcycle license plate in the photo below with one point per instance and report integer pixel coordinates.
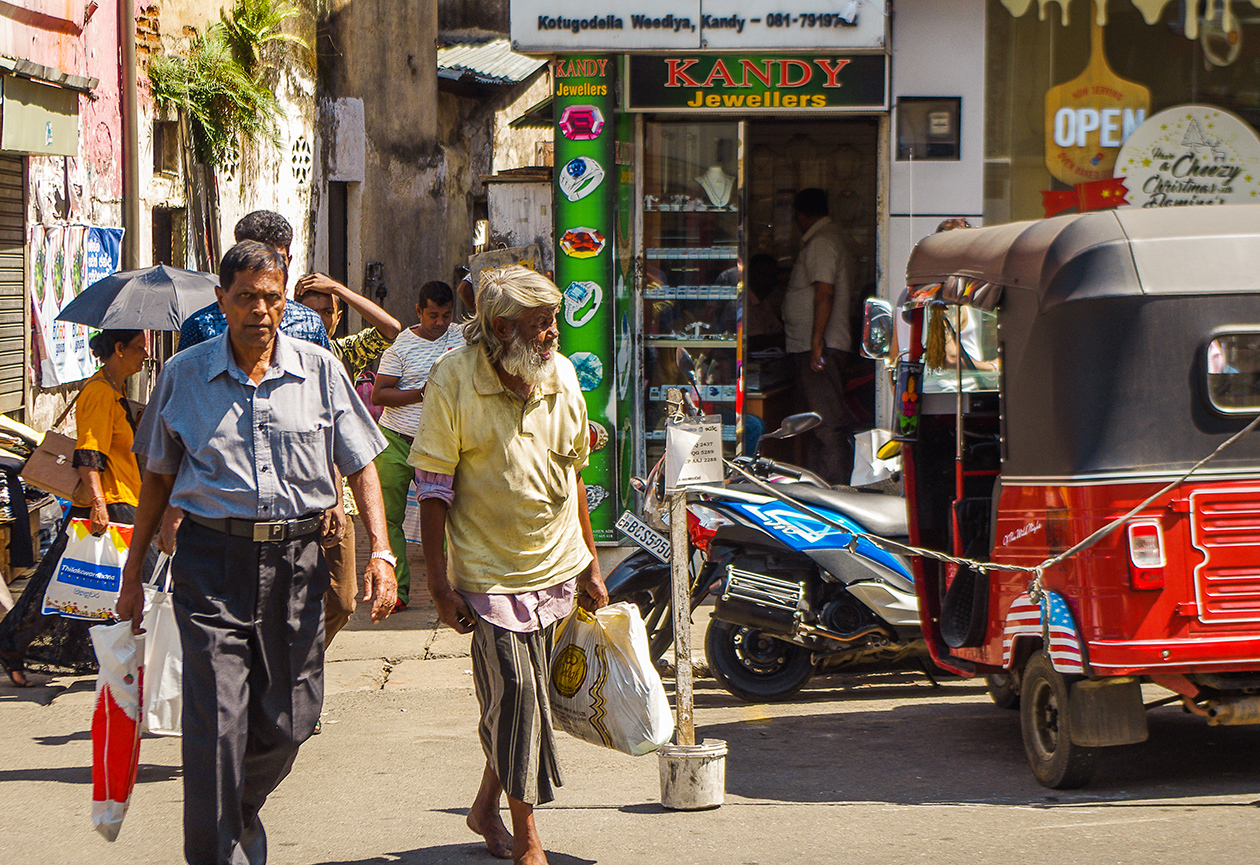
(644, 535)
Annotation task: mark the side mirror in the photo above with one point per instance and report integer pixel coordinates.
(794, 425)
(877, 329)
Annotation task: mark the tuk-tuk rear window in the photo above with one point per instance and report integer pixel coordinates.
(1233, 372)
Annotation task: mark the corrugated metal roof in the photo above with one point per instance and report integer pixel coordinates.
(492, 62)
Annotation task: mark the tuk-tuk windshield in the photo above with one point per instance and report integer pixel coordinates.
(976, 329)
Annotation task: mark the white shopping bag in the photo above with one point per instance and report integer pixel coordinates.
(603, 686)
(163, 655)
(89, 574)
(868, 468)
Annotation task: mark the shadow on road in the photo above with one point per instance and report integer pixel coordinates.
(472, 852)
(148, 773)
(950, 753)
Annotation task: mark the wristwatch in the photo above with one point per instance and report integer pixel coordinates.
(387, 556)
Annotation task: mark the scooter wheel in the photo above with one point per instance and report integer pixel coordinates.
(754, 666)
(1047, 727)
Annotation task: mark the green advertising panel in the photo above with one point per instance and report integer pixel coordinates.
(743, 83)
(585, 198)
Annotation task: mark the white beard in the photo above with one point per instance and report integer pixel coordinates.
(526, 363)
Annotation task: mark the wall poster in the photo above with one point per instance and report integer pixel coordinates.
(65, 260)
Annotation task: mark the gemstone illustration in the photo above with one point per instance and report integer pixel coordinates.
(582, 242)
(595, 496)
(580, 178)
(599, 436)
(581, 122)
(582, 299)
(589, 368)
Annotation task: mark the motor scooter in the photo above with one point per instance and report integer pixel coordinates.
(794, 594)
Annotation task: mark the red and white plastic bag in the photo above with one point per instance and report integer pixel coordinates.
(115, 724)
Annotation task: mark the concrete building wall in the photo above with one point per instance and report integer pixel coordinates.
(265, 176)
(423, 151)
(937, 50)
(517, 148)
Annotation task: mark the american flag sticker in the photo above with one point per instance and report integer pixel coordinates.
(1023, 619)
(1065, 643)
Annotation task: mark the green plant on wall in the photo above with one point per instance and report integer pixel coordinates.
(252, 25)
(218, 82)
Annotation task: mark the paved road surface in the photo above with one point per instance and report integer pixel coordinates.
(881, 769)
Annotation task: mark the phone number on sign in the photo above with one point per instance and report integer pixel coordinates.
(822, 19)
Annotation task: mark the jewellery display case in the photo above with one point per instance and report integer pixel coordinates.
(692, 277)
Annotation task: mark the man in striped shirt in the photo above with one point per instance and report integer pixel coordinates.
(399, 390)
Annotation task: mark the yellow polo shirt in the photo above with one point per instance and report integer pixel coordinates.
(513, 524)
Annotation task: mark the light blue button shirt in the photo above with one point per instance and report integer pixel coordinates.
(257, 452)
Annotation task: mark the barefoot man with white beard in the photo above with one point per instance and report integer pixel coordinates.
(499, 454)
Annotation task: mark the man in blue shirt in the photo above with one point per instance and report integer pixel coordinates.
(300, 322)
(248, 574)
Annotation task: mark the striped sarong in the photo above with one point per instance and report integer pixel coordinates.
(510, 672)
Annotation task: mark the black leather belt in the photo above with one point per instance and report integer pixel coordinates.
(276, 530)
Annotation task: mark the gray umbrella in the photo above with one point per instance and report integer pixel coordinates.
(155, 298)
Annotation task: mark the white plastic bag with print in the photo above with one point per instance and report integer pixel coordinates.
(89, 573)
(163, 656)
(603, 686)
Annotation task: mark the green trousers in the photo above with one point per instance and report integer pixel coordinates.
(396, 479)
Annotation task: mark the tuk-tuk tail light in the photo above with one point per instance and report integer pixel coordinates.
(1146, 555)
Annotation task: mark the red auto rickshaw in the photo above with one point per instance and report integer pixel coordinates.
(1084, 367)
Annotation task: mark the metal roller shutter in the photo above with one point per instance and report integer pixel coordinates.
(12, 279)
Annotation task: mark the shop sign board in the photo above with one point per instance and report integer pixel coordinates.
(1191, 154)
(558, 26)
(1090, 116)
(744, 83)
(585, 196)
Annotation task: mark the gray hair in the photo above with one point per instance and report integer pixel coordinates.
(506, 292)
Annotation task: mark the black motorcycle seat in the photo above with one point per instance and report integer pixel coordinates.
(879, 514)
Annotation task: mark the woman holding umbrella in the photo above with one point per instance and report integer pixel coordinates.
(109, 493)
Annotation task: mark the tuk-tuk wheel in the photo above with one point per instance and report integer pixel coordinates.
(1046, 725)
(1002, 690)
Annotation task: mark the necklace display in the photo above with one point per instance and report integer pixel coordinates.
(717, 185)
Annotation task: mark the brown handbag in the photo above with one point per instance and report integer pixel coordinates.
(50, 466)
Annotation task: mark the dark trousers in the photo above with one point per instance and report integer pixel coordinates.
(830, 445)
(251, 620)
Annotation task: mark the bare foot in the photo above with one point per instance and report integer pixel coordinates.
(490, 827)
(532, 856)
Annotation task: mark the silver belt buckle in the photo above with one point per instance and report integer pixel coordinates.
(269, 532)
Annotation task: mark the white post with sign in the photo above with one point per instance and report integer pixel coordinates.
(693, 776)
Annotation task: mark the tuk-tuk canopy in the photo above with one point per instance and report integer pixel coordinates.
(1196, 250)
(1105, 321)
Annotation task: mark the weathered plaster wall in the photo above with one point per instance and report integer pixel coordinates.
(473, 16)
(517, 148)
(422, 152)
(265, 176)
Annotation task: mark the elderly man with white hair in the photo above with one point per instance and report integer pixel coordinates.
(499, 454)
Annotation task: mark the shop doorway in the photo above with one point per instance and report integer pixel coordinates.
(841, 157)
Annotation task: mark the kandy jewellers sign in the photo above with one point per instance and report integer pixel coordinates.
(764, 82)
(558, 26)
